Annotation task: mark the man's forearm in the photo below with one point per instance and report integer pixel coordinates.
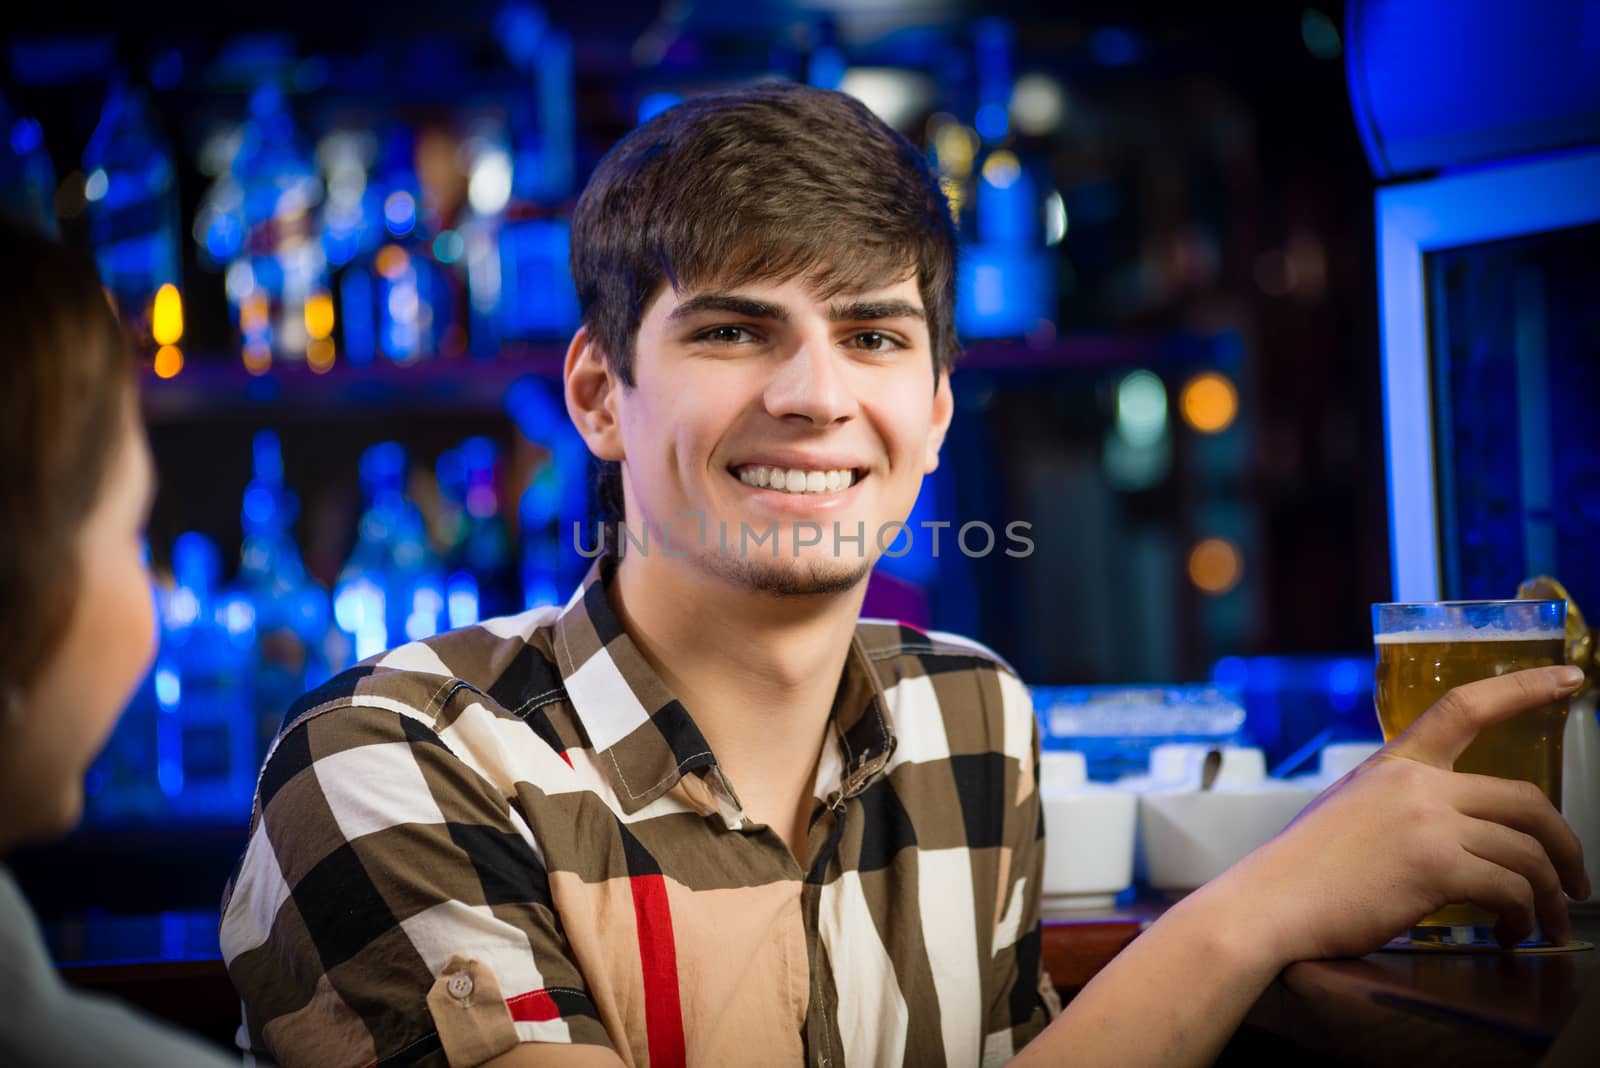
(1174, 996)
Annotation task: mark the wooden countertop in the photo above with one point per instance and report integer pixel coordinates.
(1419, 1009)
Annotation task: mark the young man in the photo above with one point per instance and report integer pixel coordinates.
(704, 814)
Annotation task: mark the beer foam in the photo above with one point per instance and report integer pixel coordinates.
(1471, 634)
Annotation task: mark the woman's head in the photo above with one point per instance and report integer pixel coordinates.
(76, 623)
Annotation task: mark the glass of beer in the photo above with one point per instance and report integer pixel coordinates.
(1426, 649)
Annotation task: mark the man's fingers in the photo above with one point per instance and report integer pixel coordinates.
(1522, 854)
(1499, 890)
(1523, 807)
(1443, 732)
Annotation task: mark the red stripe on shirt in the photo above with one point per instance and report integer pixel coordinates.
(658, 958)
(567, 758)
(535, 1006)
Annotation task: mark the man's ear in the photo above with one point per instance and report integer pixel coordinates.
(944, 407)
(591, 388)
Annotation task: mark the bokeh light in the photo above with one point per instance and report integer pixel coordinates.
(319, 355)
(1215, 565)
(169, 361)
(1141, 408)
(393, 261)
(257, 358)
(166, 316)
(1209, 402)
(319, 315)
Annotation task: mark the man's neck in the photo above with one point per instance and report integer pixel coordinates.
(758, 673)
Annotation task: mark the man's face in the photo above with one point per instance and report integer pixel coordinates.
(775, 415)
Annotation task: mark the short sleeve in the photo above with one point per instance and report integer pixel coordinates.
(1023, 998)
(393, 906)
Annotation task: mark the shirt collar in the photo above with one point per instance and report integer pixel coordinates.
(644, 738)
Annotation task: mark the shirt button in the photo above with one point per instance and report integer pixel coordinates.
(460, 985)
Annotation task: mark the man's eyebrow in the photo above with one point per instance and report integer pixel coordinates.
(725, 302)
(868, 310)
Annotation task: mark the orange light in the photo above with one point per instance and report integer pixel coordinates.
(319, 356)
(1209, 402)
(166, 316)
(169, 361)
(1215, 565)
(253, 313)
(257, 358)
(393, 261)
(319, 315)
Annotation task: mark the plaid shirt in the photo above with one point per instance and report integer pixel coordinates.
(514, 833)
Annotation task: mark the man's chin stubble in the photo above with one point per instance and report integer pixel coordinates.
(791, 578)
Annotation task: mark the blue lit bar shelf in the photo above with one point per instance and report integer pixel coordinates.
(208, 387)
(212, 385)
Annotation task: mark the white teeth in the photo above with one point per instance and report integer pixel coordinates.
(795, 480)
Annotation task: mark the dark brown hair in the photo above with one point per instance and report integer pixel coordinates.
(768, 183)
(66, 372)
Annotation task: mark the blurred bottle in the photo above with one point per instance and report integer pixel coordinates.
(485, 549)
(1006, 281)
(390, 590)
(295, 647)
(477, 242)
(537, 297)
(555, 501)
(27, 175)
(396, 301)
(205, 735)
(278, 286)
(132, 198)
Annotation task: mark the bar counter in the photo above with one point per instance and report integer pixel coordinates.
(1417, 1008)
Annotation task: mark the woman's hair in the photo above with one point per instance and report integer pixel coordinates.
(66, 372)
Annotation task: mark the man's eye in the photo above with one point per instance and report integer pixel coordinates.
(872, 341)
(726, 335)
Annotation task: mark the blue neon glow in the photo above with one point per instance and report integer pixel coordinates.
(654, 104)
(169, 690)
(992, 121)
(400, 212)
(461, 600)
(1414, 220)
(356, 311)
(169, 773)
(26, 135)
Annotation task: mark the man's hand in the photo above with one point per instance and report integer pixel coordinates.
(1403, 835)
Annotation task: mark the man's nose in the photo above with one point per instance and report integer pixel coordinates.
(812, 384)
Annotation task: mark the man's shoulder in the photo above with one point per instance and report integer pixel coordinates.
(507, 664)
(937, 650)
(947, 694)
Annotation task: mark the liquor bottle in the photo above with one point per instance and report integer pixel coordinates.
(552, 510)
(279, 284)
(485, 549)
(390, 590)
(398, 299)
(538, 299)
(205, 736)
(133, 212)
(1006, 281)
(293, 614)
